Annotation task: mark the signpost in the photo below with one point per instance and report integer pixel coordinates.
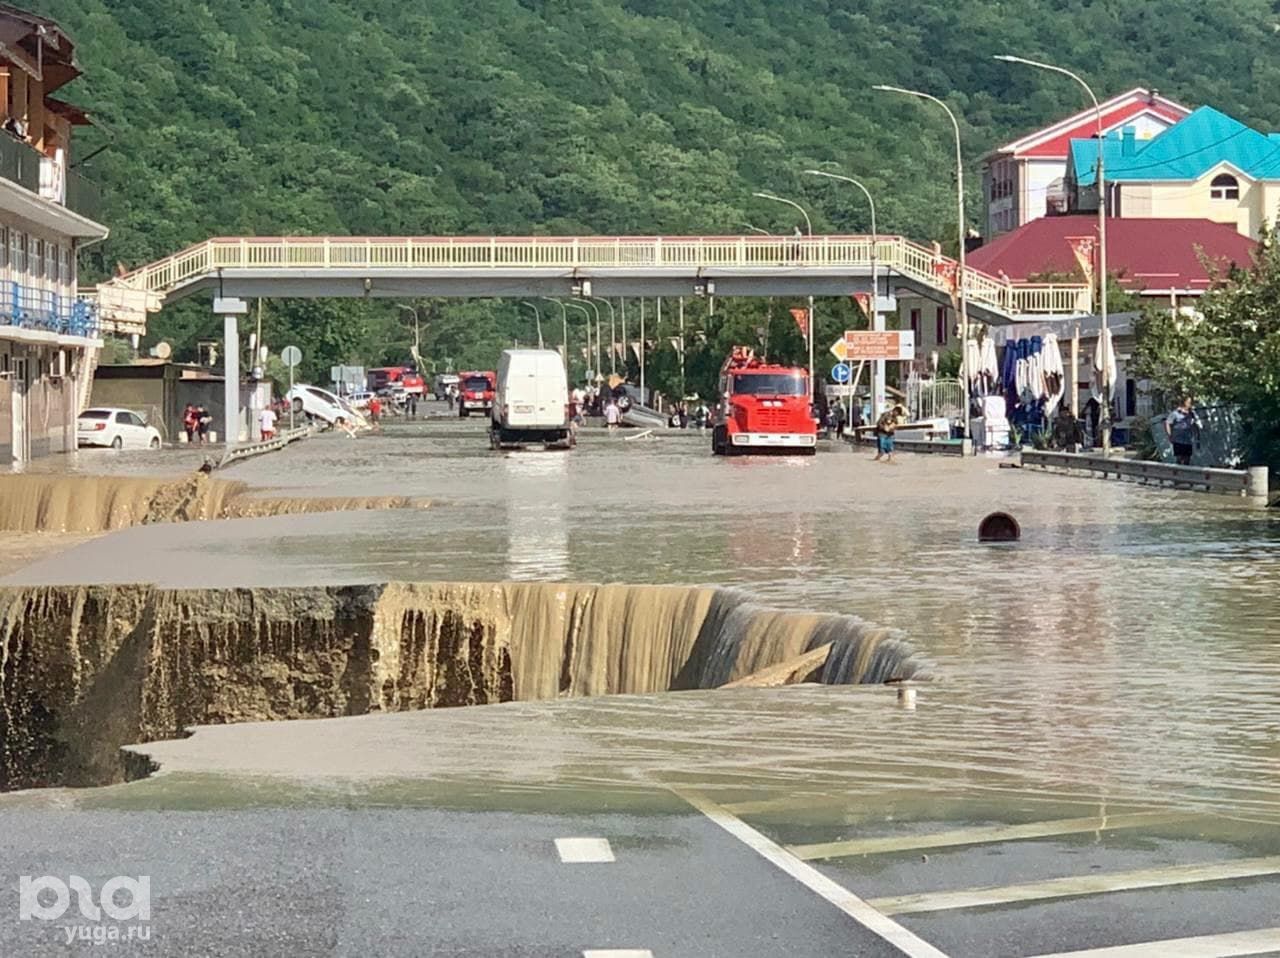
(291, 356)
(866, 344)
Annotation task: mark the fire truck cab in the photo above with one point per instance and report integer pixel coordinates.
(762, 408)
(475, 392)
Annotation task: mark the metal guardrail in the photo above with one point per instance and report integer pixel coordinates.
(250, 449)
(938, 447)
(682, 253)
(1231, 482)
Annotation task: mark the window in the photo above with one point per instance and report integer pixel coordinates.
(123, 419)
(4, 246)
(37, 259)
(1224, 187)
(768, 384)
(18, 252)
(915, 324)
(940, 320)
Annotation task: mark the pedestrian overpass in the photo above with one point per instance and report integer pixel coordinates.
(554, 266)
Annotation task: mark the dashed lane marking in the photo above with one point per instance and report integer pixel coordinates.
(584, 851)
(860, 911)
(1078, 885)
(1232, 943)
(978, 836)
(618, 953)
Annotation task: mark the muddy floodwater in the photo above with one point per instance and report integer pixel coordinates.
(1127, 649)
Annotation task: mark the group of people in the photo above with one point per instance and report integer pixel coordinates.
(681, 417)
(195, 423)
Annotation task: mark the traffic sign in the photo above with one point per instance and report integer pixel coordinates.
(863, 344)
(838, 350)
(840, 373)
(291, 356)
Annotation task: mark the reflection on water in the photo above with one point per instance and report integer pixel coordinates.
(1127, 645)
(536, 494)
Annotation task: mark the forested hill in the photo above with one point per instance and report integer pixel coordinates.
(232, 117)
(584, 116)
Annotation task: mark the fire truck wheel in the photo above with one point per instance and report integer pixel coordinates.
(717, 441)
(463, 412)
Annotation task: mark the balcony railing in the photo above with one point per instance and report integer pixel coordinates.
(19, 163)
(29, 308)
(83, 196)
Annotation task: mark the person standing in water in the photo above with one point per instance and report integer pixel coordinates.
(1182, 426)
(886, 426)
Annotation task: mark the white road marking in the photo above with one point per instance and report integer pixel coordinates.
(583, 851)
(849, 903)
(618, 953)
(978, 836)
(1233, 943)
(1078, 885)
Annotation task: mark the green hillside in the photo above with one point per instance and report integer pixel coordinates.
(590, 116)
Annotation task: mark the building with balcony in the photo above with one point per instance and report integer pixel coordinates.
(48, 336)
(1025, 179)
(1209, 166)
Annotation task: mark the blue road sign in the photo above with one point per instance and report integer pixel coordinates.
(840, 373)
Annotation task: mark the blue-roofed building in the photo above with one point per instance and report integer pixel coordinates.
(1207, 166)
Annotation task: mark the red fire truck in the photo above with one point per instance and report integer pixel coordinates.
(476, 391)
(762, 408)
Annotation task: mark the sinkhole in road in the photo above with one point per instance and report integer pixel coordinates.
(88, 669)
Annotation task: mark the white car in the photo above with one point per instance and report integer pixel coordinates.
(323, 405)
(117, 428)
(360, 400)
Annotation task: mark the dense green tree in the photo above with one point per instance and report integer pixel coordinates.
(1227, 352)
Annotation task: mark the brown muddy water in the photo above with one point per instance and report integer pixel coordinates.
(1128, 646)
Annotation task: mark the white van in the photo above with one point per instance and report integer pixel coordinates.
(532, 400)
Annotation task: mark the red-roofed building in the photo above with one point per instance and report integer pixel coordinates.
(1152, 257)
(1024, 179)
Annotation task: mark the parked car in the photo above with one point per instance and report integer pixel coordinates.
(117, 428)
(360, 400)
(323, 405)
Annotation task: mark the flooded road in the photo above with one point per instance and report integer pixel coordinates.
(1122, 659)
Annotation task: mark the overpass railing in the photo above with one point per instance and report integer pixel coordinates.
(894, 253)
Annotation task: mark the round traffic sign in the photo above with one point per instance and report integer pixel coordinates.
(840, 373)
(291, 356)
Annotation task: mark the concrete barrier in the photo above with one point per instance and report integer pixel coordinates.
(1230, 482)
(937, 447)
(249, 449)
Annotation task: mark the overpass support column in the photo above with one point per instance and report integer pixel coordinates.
(230, 310)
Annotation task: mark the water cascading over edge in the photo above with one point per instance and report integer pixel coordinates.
(85, 670)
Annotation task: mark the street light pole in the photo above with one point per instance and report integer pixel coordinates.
(877, 320)
(1104, 420)
(612, 335)
(577, 304)
(962, 279)
(590, 301)
(564, 331)
(537, 318)
(808, 224)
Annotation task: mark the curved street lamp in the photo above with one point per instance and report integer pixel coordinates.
(962, 278)
(1104, 422)
(612, 334)
(537, 317)
(877, 321)
(813, 387)
(564, 330)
